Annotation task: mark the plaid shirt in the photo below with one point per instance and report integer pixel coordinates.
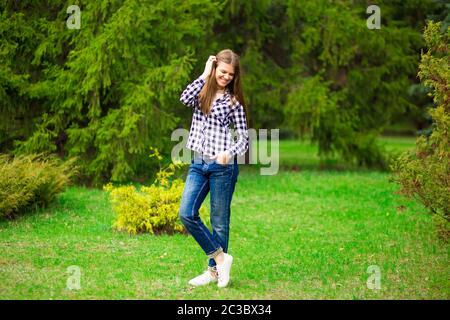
(210, 134)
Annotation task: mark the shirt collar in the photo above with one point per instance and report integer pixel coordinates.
(226, 94)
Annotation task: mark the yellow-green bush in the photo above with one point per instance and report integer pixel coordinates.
(31, 181)
(152, 209)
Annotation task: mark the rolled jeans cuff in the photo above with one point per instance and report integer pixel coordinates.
(215, 253)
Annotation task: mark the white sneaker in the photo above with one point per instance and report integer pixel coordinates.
(203, 279)
(223, 271)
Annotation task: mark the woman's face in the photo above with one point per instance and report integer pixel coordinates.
(224, 74)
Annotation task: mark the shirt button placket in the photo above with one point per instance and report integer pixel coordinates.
(205, 118)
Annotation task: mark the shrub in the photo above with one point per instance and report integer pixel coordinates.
(152, 209)
(425, 175)
(31, 181)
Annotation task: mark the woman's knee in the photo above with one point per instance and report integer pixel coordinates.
(185, 215)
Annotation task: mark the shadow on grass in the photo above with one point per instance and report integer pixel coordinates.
(29, 212)
(73, 198)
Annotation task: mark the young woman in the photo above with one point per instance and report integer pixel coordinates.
(217, 101)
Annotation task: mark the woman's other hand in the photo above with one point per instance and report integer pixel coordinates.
(223, 158)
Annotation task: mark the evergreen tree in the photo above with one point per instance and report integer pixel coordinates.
(425, 175)
(104, 92)
(348, 81)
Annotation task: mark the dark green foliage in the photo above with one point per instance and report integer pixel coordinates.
(350, 81)
(103, 93)
(108, 91)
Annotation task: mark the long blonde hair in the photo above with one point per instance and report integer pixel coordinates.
(210, 88)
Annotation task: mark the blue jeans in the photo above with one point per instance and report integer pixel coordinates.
(206, 175)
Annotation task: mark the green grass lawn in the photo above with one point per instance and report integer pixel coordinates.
(302, 155)
(307, 234)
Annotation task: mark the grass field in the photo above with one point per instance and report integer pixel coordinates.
(307, 234)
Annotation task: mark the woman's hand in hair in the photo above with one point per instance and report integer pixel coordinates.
(208, 66)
